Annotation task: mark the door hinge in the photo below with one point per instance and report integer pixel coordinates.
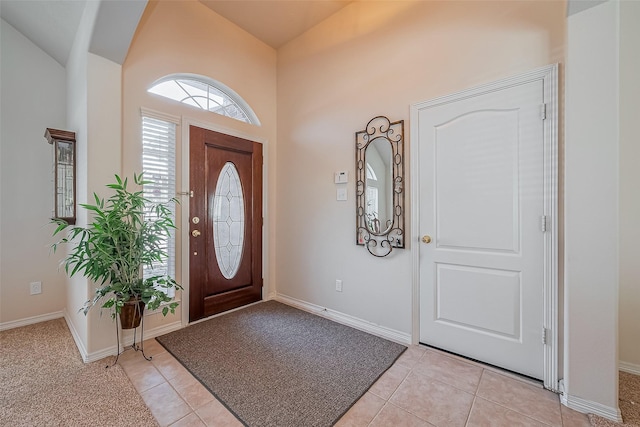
(543, 111)
(543, 223)
(545, 333)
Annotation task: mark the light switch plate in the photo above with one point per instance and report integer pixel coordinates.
(341, 194)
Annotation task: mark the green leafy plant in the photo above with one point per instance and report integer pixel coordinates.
(127, 232)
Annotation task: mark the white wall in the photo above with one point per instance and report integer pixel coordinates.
(94, 87)
(591, 210)
(78, 289)
(33, 99)
(629, 333)
(95, 112)
(104, 111)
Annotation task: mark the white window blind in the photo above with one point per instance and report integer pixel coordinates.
(159, 166)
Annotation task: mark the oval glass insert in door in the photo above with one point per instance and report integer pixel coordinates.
(228, 220)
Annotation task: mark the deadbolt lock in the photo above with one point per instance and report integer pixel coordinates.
(195, 220)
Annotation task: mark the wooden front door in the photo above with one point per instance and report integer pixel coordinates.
(225, 240)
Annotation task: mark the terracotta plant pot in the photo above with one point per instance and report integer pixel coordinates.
(131, 314)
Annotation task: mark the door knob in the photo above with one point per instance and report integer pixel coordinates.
(195, 233)
(426, 239)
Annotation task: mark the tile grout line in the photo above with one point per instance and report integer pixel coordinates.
(193, 410)
(411, 371)
(388, 400)
(168, 381)
(475, 396)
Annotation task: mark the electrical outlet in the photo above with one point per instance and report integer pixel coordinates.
(338, 285)
(35, 288)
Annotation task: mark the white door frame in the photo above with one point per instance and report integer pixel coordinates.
(549, 76)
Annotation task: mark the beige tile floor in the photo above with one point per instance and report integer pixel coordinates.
(425, 387)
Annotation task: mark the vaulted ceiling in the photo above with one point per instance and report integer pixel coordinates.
(52, 24)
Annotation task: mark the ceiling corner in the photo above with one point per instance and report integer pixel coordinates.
(115, 27)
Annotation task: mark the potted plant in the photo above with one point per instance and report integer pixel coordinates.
(127, 232)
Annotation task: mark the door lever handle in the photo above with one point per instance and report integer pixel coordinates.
(195, 233)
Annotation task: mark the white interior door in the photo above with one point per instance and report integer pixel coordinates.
(481, 173)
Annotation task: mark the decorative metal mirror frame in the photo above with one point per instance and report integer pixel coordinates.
(382, 243)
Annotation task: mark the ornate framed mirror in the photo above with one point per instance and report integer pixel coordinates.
(380, 186)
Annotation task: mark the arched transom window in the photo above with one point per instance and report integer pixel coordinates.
(205, 93)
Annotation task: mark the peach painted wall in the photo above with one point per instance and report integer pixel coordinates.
(378, 58)
(186, 37)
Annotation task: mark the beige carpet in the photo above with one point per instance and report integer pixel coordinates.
(46, 383)
(629, 401)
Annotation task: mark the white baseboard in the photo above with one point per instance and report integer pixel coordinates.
(589, 407)
(345, 319)
(630, 368)
(76, 337)
(125, 341)
(128, 341)
(30, 320)
(97, 355)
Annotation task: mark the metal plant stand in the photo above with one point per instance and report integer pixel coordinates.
(133, 346)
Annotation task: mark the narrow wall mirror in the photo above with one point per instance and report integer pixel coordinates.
(380, 186)
(64, 154)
